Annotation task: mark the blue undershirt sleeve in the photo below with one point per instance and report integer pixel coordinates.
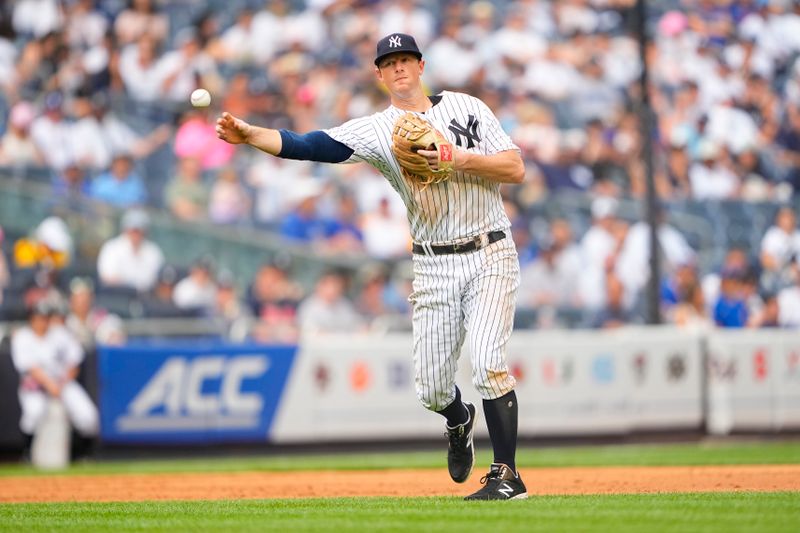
(313, 146)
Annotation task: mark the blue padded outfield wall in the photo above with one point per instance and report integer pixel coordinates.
(190, 393)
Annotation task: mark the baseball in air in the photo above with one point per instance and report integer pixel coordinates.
(201, 98)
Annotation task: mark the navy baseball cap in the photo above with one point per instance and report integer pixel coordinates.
(396, 42)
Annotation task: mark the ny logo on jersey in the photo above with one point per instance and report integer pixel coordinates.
(394, 41)
(470, 133)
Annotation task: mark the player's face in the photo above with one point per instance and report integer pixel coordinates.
(400, 72)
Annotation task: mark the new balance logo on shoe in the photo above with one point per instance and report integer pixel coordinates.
(506, 490)
(501, 483)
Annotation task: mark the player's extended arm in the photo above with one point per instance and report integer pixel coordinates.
(237, 131)
(502, 167)
(312, 146)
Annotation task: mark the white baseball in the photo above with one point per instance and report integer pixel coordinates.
(200, 98)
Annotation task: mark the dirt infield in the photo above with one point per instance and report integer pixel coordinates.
(244, 485)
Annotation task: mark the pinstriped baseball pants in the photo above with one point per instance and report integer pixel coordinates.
(463, 296)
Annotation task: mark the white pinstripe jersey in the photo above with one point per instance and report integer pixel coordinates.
(463, 206)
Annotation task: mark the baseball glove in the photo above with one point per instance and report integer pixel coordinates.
(411, 134)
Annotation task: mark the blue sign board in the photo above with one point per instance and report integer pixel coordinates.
(185, 393)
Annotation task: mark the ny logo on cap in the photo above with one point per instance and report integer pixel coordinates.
(394, 42)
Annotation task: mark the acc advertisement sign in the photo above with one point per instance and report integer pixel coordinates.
(191, 394)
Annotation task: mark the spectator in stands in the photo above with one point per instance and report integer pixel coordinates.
(736, 260)
(130, 260)
(5, 276)
(84, 318)
(769, 315)
(36, 18)
(344, 233)
(229, 202)
(275, 181)
(121, 186)
(327, 309)
(568, 250)
(39, 284)
(196, 138)
(70, 185)
(186, 195)
(52, 134)
(165, 284)
(788, 144)
(632, 266)
(789, 302)
(186, 68)
(98, 134)
(690, 311)
(231, 309)
(379, 296)
(386, 233)
(17, 147)
(49, 247)
(198, 290)
(758, 183)
(237, 44)
(303, 223)
(139, 69)
(85, 26)
(615, 312)
(59, 309)
(552, 278)
(452, 61)
(111, 332)
(710, 176)
(599, 156)
(677, 168)
(408, 16)
(779, 247)
(677, 285)
(273, 299)
(599, 249)
(730, 309)
(141, 17)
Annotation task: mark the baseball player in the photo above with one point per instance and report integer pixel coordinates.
(466, 271)
(47, 356)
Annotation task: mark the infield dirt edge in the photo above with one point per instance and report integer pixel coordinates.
(394, 482)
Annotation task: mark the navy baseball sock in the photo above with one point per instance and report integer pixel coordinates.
(456, 413)
(501, 419)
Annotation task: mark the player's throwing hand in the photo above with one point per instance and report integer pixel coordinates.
(231, 129)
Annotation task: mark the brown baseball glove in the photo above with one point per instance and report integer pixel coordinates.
(411, 134)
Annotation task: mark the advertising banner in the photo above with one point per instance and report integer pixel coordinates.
(191, 393)
(606, 382)
(347, 387)
(753, 380)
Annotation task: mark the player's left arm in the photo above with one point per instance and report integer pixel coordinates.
(502, 167)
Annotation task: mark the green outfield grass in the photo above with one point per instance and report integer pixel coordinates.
(723, 512)
(709, 453)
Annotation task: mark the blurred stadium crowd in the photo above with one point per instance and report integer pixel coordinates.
(94, 101)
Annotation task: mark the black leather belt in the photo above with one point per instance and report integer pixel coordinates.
(476, 243)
